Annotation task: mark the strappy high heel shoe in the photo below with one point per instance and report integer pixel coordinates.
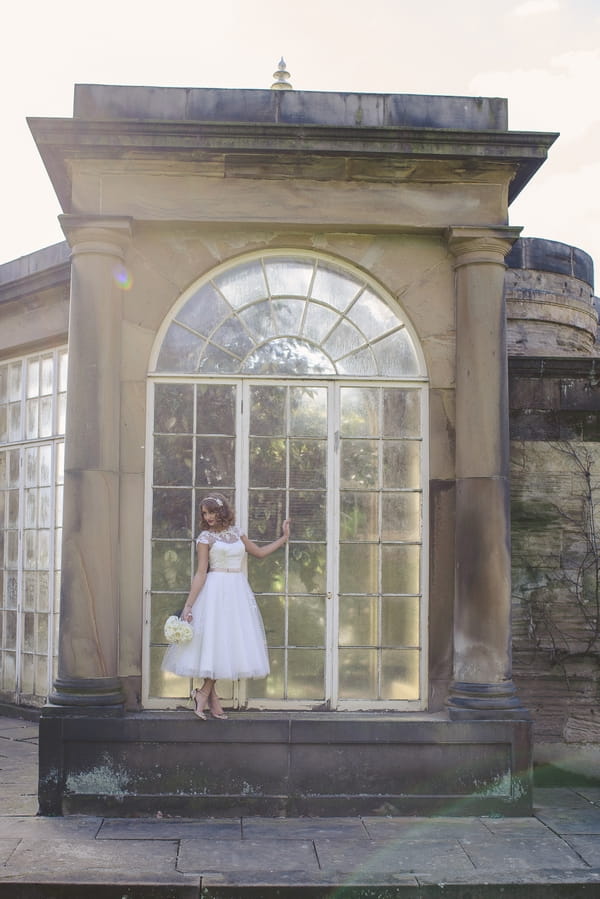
(214, 704)
(199, 708)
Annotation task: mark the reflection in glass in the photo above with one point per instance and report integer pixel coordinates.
(306, 621)
(215, 462)
(215, 409)
(273, 686)
(204, 310)
(267, 575)
(272, 609)
(232, 337)
(334, 286)
(306, 674)
(172, 512)
(399, 674)
(214, 360)
(359, 412)
(171, 564)
(163, 605)
(243, 284)
(163, 683)
(400, 569)
(307, 463)
(290, 276)
(342, 340)
(359, 518)
(372, 315)
(358, 568)
(267, 412)
(308, 512)
(318, 322)
(401, 412)
(358, 674)
(267, 462)
(306, 568)
(395, 354)
(400, 620)
(288, 356)
(266, 514)
(173, 408)
(308, 411)
(181, 350)
(358, 621)
(288, 315)
(401, 463)
(359, 463)
(401, 516)
(173, 461)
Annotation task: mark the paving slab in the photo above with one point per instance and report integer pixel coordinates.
(588, 848)
(166, 829)
(561, 797)
(425, 828)
(266, 856)
(57, 858)
(567, 821)
(515, 853)
(592, 794)
(304, 828)
(396, 855)
(33, 828)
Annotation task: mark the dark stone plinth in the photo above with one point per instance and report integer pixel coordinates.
(282, 764)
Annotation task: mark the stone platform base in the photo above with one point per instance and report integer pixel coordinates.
(281, 764)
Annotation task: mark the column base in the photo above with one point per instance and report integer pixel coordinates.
(485, 701)
(91, 692)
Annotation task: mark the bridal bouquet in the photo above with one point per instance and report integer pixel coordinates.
(177, 630)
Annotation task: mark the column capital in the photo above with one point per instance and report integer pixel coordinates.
(471, 245)
(97, 235)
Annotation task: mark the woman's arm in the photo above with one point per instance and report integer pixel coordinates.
(197, 580)
(261, 551)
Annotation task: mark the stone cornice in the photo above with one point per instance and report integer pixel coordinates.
(555, 367)
(62, 141)
(470, 246)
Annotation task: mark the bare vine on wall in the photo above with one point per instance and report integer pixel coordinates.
(562, 603)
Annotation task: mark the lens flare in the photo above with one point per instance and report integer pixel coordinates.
(123, 278)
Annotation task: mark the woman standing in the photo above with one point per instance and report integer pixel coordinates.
(229, 637)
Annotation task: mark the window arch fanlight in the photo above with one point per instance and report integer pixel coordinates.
(288, 314)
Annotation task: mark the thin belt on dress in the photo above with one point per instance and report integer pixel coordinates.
(228, 570)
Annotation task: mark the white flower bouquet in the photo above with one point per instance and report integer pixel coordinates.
(177, 630)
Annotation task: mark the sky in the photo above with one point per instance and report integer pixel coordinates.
(542, 55)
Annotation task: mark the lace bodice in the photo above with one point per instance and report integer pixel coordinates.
(226, 549)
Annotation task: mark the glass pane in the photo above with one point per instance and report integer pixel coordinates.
(308, 462)
(3, 384)
(267, 575)
(342, 340)
(61, 413)
(258, 321)
(358, 621)
(3, 424)
(306, 568)
(400, 621)
(400, 569)
(215, 360)
(266, 515)
(33, 378)
(232, 337)
(396, 355)
(267, 462)
(181, 350)
(43, 559)
(41, 644)
(43, 586)
(9, 673)
(399, 674)
(359, 516)
(41, 675)
(28, 619)
(288, 356)
(172, 565)
(173, 461)
(308, 411)
(32, 419)
(401, 463)
(204, 310)
(289, 314)
(14, 468)
(215, 409)
(163, 683)
(361, 364)
(401, 516)
(63, 360)
(267, 413)
(30, 550)
(172, 513)
(163, 605)
(243, 285)
(173, 409)
(333, 287)
(13, 509)
(30, 508)
(29, 590)
(358, 673)
(401, 412)
(26, 673)
(272, 609)
(307, 512)
(306, 674)
(215, 462)
(14, 421)
(359, 412)
(271, 687)
(319, 321)
(45, 466)
(306, 621)
(291, 277)
(47, 376)
(359, 463)
(358, 568)
(44, 507)
(372, 315)
(15, 370)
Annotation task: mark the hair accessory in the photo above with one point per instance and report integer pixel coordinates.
(214, 499)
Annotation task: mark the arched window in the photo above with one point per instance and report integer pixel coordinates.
(294, 385)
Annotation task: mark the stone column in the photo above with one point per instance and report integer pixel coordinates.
(89, 607)
(482, 686)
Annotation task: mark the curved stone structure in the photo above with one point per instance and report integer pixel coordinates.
(549, 298)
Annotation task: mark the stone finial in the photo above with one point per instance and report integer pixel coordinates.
(281, 77)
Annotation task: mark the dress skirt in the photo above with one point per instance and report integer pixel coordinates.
(229, 636)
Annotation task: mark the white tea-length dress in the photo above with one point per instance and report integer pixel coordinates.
(229, 636)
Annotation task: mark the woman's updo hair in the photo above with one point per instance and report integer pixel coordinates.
(216, 502)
